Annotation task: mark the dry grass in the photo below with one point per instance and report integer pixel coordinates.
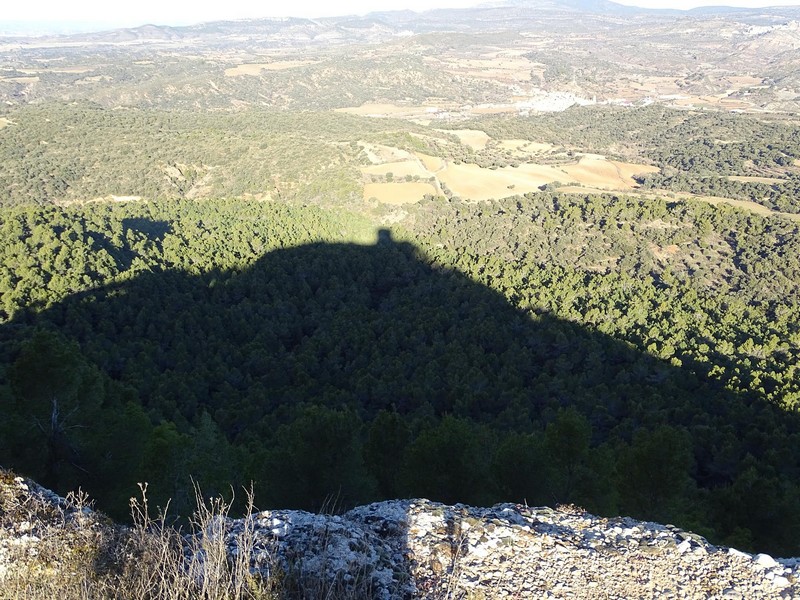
(398, 193)
(68, 70)
(432, 163)
(609, 174)
(505, 67)
(470, 181)
(371, 108)
(401, 168)
(54, 548)
(60, 549)
(69, 552)
(199, 565)
(477, 183)
(56, 553)
(474, 138)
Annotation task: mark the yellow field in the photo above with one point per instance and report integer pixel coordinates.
(477, 183)
(434, 164)
(398, 193)
(744, 80)
(367, 109)
(608, 174)
(579, 189)
(719, 101)
(640, 87)
(472, 182)
(590, 174)
(474, 138)
(398, 169)
(93, 79)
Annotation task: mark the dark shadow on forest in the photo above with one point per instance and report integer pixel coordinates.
(155, 231)
(366, 372)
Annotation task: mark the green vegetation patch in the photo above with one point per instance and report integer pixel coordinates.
(238, 341)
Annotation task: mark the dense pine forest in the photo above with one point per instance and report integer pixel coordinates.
(629, 355)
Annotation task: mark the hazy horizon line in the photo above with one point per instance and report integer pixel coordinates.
(45, 27)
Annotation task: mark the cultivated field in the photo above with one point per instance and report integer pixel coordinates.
(474, 182)
(473, 138)
(403, 168)
(434, 164)
(595, 170)
(398, 193)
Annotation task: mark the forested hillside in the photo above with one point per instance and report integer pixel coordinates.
(57, 152)
(233, 341)
(476, 256)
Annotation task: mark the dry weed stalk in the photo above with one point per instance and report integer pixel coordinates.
(70, 553)
(198, 566)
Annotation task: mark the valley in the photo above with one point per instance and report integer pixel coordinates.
(498, 254)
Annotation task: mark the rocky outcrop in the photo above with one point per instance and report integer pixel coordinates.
(417, 548)
(423, 549)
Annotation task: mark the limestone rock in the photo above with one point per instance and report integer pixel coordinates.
(403, 549)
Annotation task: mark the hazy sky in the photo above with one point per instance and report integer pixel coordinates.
(176, 12)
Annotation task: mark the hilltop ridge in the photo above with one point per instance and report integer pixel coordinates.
(400, 549)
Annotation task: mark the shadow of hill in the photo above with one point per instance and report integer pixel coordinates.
(358, 372)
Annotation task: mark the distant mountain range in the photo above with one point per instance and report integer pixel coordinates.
(485, 16)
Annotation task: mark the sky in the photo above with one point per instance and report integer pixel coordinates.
(80, 14)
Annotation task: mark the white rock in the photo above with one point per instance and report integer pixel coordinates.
(780, 582)
(765, 561)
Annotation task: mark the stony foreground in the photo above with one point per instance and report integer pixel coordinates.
(513, 551)
(422, 549)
